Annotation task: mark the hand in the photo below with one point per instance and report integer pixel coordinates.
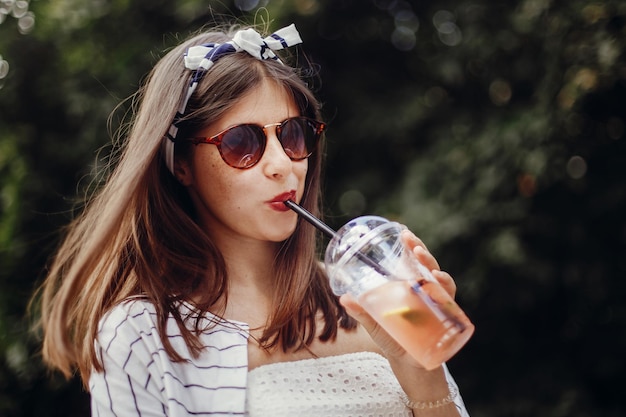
(389, 346)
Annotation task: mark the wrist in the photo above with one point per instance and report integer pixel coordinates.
(416, 405)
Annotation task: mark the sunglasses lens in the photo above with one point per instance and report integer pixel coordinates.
(298, 137)
(243, 145)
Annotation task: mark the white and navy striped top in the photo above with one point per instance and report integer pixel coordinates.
(139, 378)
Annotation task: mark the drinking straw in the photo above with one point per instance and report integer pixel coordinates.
(416, 285)
(311, 218)
(308, 216)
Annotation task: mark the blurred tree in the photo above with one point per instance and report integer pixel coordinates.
(496, 131)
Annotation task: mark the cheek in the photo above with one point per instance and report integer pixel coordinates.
(301, 169)
(301, 173)
(209, 176)
(206, 162)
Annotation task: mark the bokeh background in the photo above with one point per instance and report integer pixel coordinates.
(494, 129)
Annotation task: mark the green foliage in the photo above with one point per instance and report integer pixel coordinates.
(494, 130)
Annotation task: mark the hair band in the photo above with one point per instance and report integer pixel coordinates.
(200, 58)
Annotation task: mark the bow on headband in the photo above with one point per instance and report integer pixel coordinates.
(201, 58)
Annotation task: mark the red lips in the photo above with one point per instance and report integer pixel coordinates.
(277, 203)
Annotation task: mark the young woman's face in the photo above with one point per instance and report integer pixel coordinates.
(247, 203)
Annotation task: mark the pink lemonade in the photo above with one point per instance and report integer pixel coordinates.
(430, 336)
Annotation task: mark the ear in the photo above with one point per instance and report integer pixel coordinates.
(183, 171)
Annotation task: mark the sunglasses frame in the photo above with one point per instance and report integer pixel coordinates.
(217, 139)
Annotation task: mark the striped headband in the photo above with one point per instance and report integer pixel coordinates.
(199, 59)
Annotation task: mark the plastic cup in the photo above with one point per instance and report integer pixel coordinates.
(367, 259)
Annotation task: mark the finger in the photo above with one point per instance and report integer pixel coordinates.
(426, 258)
(446, 281)
(355, 310)
(386, 343)
(419, 249)
(410, 241)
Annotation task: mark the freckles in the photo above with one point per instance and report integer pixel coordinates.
(304, 170)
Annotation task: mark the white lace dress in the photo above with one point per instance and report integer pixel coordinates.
(356, 384)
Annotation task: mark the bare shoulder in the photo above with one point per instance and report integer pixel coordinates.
(348, 341)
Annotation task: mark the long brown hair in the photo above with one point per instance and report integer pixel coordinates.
(137, 235)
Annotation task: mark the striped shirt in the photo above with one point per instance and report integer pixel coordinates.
(139, 378)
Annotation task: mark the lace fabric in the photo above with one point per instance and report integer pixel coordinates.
(356, 384)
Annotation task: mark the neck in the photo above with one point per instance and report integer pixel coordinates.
(250, 268)
(249, 261)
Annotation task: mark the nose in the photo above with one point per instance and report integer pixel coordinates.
(276, 163)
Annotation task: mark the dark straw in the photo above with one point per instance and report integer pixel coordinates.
(311, 218)
(331, 233)
(416, 287)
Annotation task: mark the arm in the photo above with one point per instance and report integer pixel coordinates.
(140, 378)
(118, 392)
(127, 386)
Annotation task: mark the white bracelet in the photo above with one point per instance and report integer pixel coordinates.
(453, 392)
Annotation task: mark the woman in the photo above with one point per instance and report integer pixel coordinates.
(186, 287)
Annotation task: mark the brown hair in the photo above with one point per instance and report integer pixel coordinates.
(137, 235)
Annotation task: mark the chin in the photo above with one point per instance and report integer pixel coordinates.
(282, 235)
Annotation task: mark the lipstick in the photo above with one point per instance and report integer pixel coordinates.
(278, 202)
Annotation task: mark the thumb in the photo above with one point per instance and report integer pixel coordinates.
(387, 344)
(355, 310)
